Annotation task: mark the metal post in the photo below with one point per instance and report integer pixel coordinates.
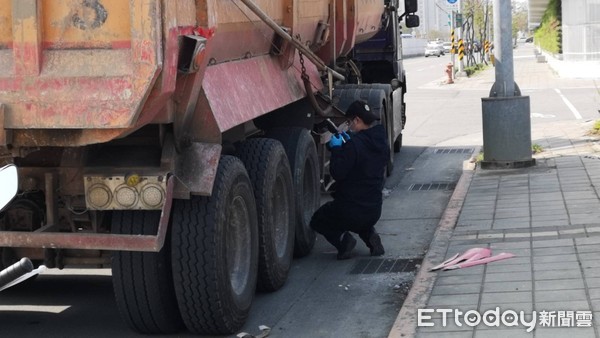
(503, 52)
(454, 45)
(461, 63)
(506, 114)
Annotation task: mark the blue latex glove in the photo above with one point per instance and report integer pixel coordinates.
(345, 135)
(335, 141)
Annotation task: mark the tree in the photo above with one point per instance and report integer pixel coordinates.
(520, 19)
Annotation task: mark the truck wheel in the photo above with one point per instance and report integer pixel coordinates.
(302, 155)
(215, 252)
(142, 281)
(269, 171)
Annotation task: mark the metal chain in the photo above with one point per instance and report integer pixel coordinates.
(303, 68)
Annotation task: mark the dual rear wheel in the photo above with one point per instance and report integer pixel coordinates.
(221, 248)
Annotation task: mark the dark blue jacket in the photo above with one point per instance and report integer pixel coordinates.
(358, 168)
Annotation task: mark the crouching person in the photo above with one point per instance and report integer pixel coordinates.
(357, 164)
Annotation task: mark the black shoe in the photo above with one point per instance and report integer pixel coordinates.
(375, 245)
(346, 246)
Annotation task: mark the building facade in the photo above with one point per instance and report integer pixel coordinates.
(580, 27)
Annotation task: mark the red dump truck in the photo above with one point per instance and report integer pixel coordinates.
(181, 142)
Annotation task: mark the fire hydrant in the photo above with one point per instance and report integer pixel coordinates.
(449, 71)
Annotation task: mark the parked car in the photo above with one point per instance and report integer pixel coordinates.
(434, 50)
(447, 46)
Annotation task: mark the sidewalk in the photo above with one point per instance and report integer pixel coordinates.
(547, 215)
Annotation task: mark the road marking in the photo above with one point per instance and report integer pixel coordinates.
(569, 104)
(543, 116)
(34, 308)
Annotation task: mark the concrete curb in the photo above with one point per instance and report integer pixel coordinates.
(406, 322)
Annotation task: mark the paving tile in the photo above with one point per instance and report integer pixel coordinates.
(584, 218)
(595, 304)
(514, 223)
(560, 295)
(591, 272)
(592, 282)
(445, 334)
(439, 327)
(450, 300)
(456, 289)
(535, 234)
(573, 332)
(513, 261)
(474, 225)
(462, 237)
(586, 263)
(512, 277)
(552, 243)
(552, 223)
(554, 251)
(527, 308)
(559, 284)
(594, 293)
(554, 259)
(588, 255)
(513, 332)
(475, 270)
(577, 305)
(454, 280)
(593, 229)
(518, 235)
(492, 268)
(509, 286)
(517, 252)
(506, 297)
(555, 266)
(557, 274)
(582, 249)
(587, 241)
(511, 245)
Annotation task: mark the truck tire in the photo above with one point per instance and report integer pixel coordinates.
(215, 252)
(304, 163)
(269, 171)
(142, 281)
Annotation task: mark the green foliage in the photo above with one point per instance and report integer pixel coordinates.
(474, 69)
(536, 148)
(549, 35)
(519, 18)
(596, 128)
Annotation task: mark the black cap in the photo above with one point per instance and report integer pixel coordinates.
(361, 109)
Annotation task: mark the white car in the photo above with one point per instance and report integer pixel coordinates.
(434, 50)
(447, 46)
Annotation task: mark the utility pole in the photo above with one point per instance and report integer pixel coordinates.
(461, 64)
(506, 114)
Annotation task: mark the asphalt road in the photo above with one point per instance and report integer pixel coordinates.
(324, 297)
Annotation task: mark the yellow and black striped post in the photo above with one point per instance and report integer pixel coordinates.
(461, 50)
(453, 42)
(487, 47)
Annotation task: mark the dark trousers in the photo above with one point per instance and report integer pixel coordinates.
(334, 218)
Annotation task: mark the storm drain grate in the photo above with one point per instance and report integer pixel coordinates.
(432, 186)
(454, 151)
(381, 265)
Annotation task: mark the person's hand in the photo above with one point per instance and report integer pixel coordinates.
(345, 135)
(335, 141)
